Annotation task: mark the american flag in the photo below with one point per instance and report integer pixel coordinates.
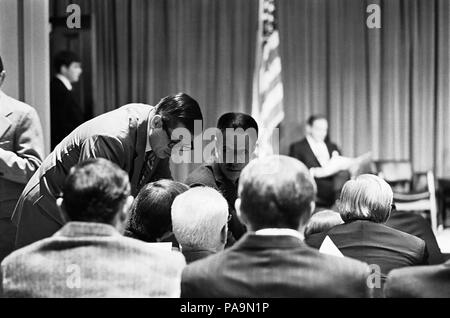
(267, 105)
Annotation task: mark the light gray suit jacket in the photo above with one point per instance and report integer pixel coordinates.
(21, 150)
(119, 136)
(91, 260)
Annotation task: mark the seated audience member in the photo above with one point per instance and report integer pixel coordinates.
(365, 205)
(416, 225)
(276, 198)
(419, 282)
(322, 221)
(199, 218)
(89, 257)
(233, 152)
(150, 219)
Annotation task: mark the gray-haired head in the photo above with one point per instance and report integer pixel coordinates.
(367, 198)
(199, 219)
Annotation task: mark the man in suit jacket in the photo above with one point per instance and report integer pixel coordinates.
(231, 157)
(416, 225)
(419, 282)
(365, 205)
(89, 257)
(136, 137)
(66, 114)
(276, 198)
(315, 151)
(21, 153)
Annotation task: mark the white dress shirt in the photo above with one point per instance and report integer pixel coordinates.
(320, 150)
(280, 232)
(65, 81)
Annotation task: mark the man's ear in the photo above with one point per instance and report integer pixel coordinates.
(126, 208)
(156, 122)
(241, 216)
(2, 77)
(62, 211)
(224, 234)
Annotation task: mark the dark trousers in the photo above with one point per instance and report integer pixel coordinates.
(329, 189)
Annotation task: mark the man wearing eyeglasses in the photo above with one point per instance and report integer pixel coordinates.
(136, 137)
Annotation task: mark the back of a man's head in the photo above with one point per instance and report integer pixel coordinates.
(64, 58)
(199, 219)
(95, 191)
(276, 192)
(150, 217)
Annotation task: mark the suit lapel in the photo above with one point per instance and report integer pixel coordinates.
(311, 153)
(5, 112)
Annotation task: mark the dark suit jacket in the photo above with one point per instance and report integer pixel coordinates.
(119, 136)
(416, 225)
(423, 282)
(210, 175)
(103, 262)
(274, 266)
(65, 113)
(375, 244)
(21, 150)
(195, 255)
(326, 191)
(302, 151)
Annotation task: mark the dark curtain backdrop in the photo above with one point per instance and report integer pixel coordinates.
(383, 90)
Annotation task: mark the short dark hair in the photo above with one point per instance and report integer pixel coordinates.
(276, 192)
(1, 65)
(94, 191)
(64, 58)
(179, 108)
(314, 118)
(237, 120)
(150, 215)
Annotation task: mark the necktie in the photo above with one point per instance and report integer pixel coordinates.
(147, 169)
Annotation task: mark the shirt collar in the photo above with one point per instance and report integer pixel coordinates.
(148, 146)
(280, 232)
(65, 81)
(314, 142)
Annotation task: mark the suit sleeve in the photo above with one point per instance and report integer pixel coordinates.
(20, 165)
(106, 147)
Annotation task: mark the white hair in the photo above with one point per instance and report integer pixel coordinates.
(198, 217)
(368, 197)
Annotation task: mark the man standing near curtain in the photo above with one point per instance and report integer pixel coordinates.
(66, 114)
(137, 137)
(21, 153)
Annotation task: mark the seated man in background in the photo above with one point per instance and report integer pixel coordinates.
(89, 257)
(235, 144)
(419, 282)
(150, 220)
(21, 154)
(199, 218)
(272, 260)
(324, 160)
(365, 205)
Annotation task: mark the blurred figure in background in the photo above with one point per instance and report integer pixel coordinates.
(199, 218)
(65, 113)
(322, 221)
(21, 154)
